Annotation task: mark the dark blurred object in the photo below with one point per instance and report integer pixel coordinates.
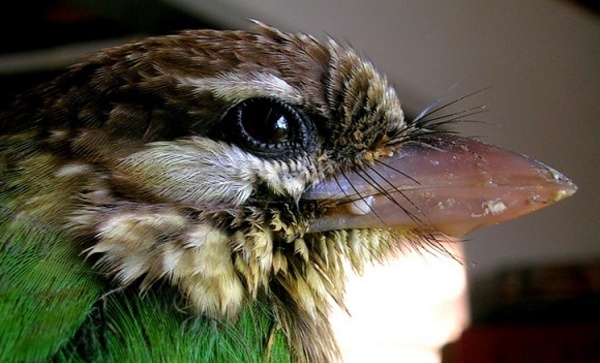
(548, 293)
(547, 313)
(29, 29)
(148, 16)
(560, 343)
(591, 5)
(40, 24)
(48, 23)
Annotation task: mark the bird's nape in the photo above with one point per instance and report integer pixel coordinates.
(184, 196)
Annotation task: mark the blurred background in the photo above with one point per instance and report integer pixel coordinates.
(538, 275)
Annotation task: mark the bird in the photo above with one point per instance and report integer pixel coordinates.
(201, 196)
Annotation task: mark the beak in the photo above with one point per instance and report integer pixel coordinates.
(444, 184)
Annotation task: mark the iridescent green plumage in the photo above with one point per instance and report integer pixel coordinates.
(46, 289)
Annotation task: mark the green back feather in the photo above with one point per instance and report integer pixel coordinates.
(46, 289)
(152, 328)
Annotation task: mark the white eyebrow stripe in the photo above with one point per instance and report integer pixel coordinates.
(235, 87)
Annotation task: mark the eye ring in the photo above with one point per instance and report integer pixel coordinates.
(266, 126)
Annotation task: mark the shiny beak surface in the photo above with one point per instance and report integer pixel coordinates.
(446, 184)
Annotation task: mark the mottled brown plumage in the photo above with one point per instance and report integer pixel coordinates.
(137, 153)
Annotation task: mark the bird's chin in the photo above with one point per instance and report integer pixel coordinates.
(444, 184)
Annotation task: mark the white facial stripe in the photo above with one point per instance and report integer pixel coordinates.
(201, 171)
(235, 87)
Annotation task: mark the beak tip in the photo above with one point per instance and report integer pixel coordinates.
(565, 192)
(561, 186)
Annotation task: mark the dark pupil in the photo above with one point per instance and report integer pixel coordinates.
(265, 124)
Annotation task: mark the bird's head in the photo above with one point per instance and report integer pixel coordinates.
(240, 166)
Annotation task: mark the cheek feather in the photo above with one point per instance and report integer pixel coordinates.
(197, 172)
(163, 243)
(206, 273)
(202, 172)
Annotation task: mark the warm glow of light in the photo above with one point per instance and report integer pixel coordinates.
(404, 311)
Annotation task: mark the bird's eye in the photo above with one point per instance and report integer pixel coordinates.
(267, 126)
(265, 123)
